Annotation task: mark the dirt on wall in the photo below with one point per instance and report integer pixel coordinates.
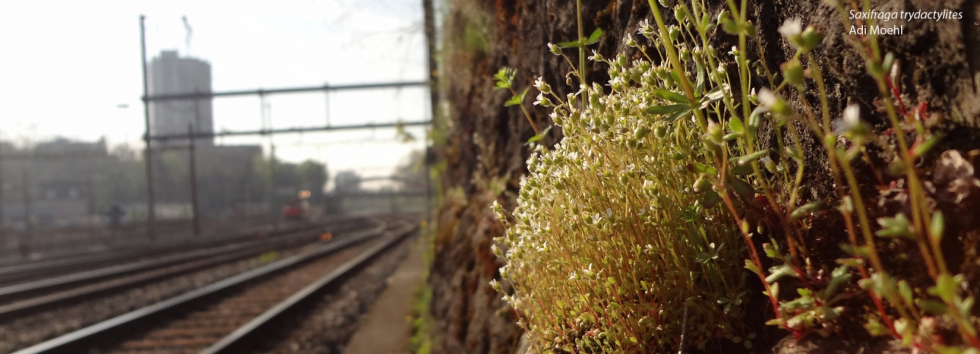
(485, 150)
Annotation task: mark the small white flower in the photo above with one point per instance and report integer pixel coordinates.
(629, 40)
(767, 98)
(792, 27)
(596, 56)
(554, 49)
(645, 29)
(542, 101)
(541, 85)
(852, 117)
(765, 160)
(734, 51)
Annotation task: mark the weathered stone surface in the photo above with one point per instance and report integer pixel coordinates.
(940, 60)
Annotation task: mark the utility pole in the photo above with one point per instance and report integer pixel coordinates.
(272, 181)
(150, 209)
(3, 236)
(430, 36)
(90, 205)
(193, 168)
(28, 227)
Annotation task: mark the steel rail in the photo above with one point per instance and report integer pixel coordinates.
(153, 272)
(80, 340)
(27, 289)
(235, 342)
(32, 270)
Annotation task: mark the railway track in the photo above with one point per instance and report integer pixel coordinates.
(11, 274)
(20, 299)
(221, 317)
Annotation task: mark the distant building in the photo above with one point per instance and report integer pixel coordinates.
(171, 74)
(60, 146)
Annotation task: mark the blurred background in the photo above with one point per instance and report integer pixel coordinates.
(73, 158)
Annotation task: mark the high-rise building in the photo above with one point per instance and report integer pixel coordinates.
(171, 74)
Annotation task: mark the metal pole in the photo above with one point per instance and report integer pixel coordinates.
(3, 236)
(430, 36)
(150, 209)
(90, 207)
(24, 248)
(272, 182)
(193, 168)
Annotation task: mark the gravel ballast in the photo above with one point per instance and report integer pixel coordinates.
(331, 323)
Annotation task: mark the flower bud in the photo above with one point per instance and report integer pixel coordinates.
(793, 72)
(640, 132)
(715, 133)
(680, 13)
(541, 85)
(629, 41)
(554, 49)
(810, 39)
(702, 184)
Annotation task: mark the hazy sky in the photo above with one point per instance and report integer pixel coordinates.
(68, 66)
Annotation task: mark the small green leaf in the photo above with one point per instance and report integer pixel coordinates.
(677, 115)
(805, 209)
(740, 170)
(572, 44)
(775, 322)
(771, 252)
(700, 77)
(743, 188)
(716, 93)
(839, 276)
(674, 108)
(671, 96)
(752, 124)
(932, 307)
(778, 272)
(965, 306)
(856, 251)
(898, 226)
(876, 328)
(906, 291)
(751, 266)
(513, 101)
(945, 288)
(752, 157)
(504, 78)
(936, 229)
(927, 145)
(710, 199)
(697, 167)
(594, 38)
(735, 125)
(539, 136)
(587, 318)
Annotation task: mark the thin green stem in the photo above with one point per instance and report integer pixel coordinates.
(527, 114)
(581, 55)
(676, 63)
